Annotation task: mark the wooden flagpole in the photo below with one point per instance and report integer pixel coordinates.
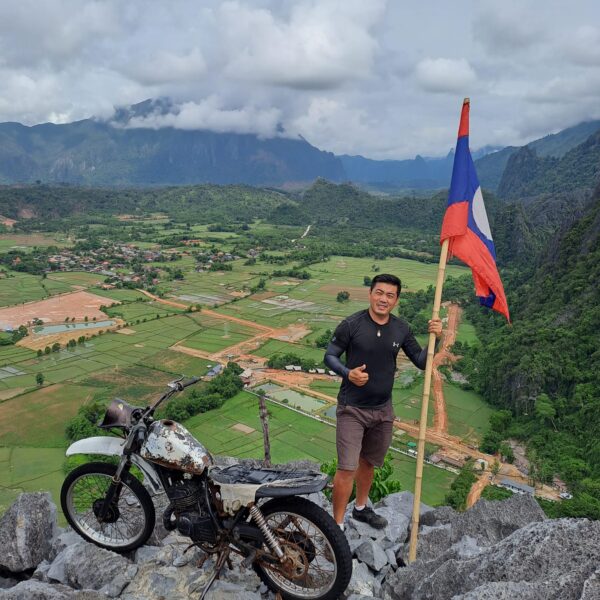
(414, 531)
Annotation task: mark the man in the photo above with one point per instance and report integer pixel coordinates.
(371, 340)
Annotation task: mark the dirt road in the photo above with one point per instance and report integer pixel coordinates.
(477, 488)
(444, 356)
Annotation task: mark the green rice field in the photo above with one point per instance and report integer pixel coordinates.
(294, 437)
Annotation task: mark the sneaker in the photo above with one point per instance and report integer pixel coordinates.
(369, 516)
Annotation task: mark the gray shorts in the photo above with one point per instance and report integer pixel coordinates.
(363, 432)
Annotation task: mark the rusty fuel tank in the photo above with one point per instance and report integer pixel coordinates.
(172, 445)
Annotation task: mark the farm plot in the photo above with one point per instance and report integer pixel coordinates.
(76, 278)
(76, 305)
(141, 310)
(468, 414)
(38, 418)
(347, 271)
(219, 335)
(272, 347)
(22, 287)
(293, 437)
(98, 353)
(30, 470)
(264, 314)
(9, 241)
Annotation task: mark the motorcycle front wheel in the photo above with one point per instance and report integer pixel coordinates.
(317, 564)
(130, 519)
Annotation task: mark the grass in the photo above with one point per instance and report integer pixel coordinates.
(273, 347)
(81, 278)
(30, 470)
(293, 437)
(466, 333)
(38, 418)
(468, 414)
(22, 287)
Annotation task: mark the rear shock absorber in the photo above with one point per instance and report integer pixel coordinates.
(266, 531)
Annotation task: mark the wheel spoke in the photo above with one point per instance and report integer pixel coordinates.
(303, 540)
(127, 510)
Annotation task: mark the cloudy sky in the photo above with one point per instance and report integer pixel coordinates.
(381, 79)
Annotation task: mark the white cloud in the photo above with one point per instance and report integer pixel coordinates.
(210, 114)
(508, 27)
(163, 67)
(381, 79)
(445, 75)
(319, 46)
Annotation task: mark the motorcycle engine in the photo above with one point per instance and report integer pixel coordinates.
(188, 507)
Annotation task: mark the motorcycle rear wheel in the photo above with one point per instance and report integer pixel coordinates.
(130, 520)
(317, 546)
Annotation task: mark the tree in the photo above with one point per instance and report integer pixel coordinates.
(343, 296)
(367, 281)
(544, 409)
(39, 379)
(495, 468)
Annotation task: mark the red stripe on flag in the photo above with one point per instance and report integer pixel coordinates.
(474, 253)
(463, 129)
(455, 220)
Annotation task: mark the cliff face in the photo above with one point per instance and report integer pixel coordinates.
(496, 550)
(99, 153)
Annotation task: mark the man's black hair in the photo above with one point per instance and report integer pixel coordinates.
(387, 278)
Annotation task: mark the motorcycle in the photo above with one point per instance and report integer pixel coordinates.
(295, 547)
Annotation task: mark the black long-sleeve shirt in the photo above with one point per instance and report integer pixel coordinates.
(366, 342)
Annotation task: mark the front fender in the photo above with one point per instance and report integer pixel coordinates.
(112, 446)
(109, 446)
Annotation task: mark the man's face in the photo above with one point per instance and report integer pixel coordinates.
(382, 298)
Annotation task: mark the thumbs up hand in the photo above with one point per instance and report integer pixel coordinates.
(359, 376)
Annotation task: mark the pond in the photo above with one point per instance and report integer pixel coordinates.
(48, 329)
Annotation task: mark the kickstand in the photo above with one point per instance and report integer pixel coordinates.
(223, 557)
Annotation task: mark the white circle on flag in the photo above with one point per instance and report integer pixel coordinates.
(480, 215)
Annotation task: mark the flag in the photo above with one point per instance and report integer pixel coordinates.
(466, 224)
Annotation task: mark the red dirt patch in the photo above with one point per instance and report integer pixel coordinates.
(56, 309)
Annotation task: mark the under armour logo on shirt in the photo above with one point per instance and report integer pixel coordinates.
(395, 344)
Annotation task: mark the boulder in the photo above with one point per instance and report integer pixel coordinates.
(372, 555)
(363, 582)
(85, 566)
(555, 559)
(26, 531)
(487, 522)
(37, 590)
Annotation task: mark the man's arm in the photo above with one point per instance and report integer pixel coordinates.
(332, 360)
(338, 345)
(412, 349)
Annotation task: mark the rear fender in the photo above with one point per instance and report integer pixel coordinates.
(112, 446)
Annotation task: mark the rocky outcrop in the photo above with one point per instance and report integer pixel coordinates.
(494, 551)
(26, 532)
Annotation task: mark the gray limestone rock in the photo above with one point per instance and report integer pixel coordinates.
(363, 582)
(372, 555)
(487, 522)
(557, 556)
(151, 553)
(38, 590)
(591, 587)
(72, 567)
(7, 582)
(402, 502)
(26, 531)
(508, 590)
